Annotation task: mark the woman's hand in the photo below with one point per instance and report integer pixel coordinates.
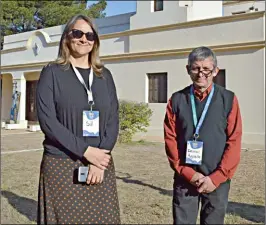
(98, 157)
(95, 175)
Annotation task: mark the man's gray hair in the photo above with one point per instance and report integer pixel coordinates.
(201, 53)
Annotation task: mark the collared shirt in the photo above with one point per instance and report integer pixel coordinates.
(202, 95)
(231, 156)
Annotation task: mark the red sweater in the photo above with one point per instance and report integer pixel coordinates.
(231, 156)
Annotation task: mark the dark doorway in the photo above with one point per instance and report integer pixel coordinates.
(31, 113)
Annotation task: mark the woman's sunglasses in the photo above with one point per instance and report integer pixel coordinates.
(90, 36)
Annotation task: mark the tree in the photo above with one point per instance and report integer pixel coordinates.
(21, 16)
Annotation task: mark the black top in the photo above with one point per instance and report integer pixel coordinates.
(61, 99)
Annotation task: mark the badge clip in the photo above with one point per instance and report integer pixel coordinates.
(196, 136)
(91, 103)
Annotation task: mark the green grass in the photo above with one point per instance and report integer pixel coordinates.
(144, 181)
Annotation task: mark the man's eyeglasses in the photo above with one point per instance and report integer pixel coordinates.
(90, 36)
(196, 71)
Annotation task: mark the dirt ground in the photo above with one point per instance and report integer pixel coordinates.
(144, 181)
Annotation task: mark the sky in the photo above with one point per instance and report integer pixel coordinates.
(118, 7)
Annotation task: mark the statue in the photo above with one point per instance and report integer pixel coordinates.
(15, 104)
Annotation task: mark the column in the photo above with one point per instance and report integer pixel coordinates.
(21, 88)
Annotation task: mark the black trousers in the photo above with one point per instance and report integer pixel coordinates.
(186, 202)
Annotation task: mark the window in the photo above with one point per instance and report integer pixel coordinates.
(158, 5)
(157, 88)
(220, 78)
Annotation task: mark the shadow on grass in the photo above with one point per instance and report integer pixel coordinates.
(127, 179)
(253, 213)
(25, 206)
(28, 207)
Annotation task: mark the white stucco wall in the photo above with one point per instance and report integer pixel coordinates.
(145, 17)
(204, 10)
(117, 45)
(49, 52)
(130, 77)
(21, 39)
(243, 6)
(211, 34)
(114, 24)
(248, 83)
(221, 33)
(107, 25)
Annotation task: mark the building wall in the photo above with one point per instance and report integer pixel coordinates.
(131, 54)
(197, 34)
(106, 25)
(175, 11)
(248, 83)
(134, 87)
(228, 9)
(113, 24)
(171, 13)
(238, 75)
(185, 36)
(204, 10)
(21, 39)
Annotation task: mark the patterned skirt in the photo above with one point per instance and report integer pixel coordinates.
(63, 200)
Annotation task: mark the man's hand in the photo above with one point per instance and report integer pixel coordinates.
(206, 185)
(95, 175)
(196, 177)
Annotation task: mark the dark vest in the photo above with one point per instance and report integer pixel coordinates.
(212, 131)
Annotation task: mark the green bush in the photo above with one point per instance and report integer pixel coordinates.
(134, 117)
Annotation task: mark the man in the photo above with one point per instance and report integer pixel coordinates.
(203, 131)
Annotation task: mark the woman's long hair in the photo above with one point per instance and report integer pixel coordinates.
(64, 49)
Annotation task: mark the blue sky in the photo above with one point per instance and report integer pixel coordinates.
(118, 7)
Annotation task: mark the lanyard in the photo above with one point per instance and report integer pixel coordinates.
(90, 97)
(195, 120)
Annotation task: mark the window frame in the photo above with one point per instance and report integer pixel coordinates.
(157, 9)
(157, 87)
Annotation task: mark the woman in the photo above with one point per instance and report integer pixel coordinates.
(68, 92)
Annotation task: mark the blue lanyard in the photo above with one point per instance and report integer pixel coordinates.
(195, 119)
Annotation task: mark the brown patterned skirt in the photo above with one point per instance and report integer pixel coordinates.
(63, 200)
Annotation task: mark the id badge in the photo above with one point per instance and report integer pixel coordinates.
(90, 124)
(194, 152)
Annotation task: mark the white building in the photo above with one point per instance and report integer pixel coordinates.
(147, 51)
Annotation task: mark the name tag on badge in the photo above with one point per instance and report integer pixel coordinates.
(90, 124)
(194, 152)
